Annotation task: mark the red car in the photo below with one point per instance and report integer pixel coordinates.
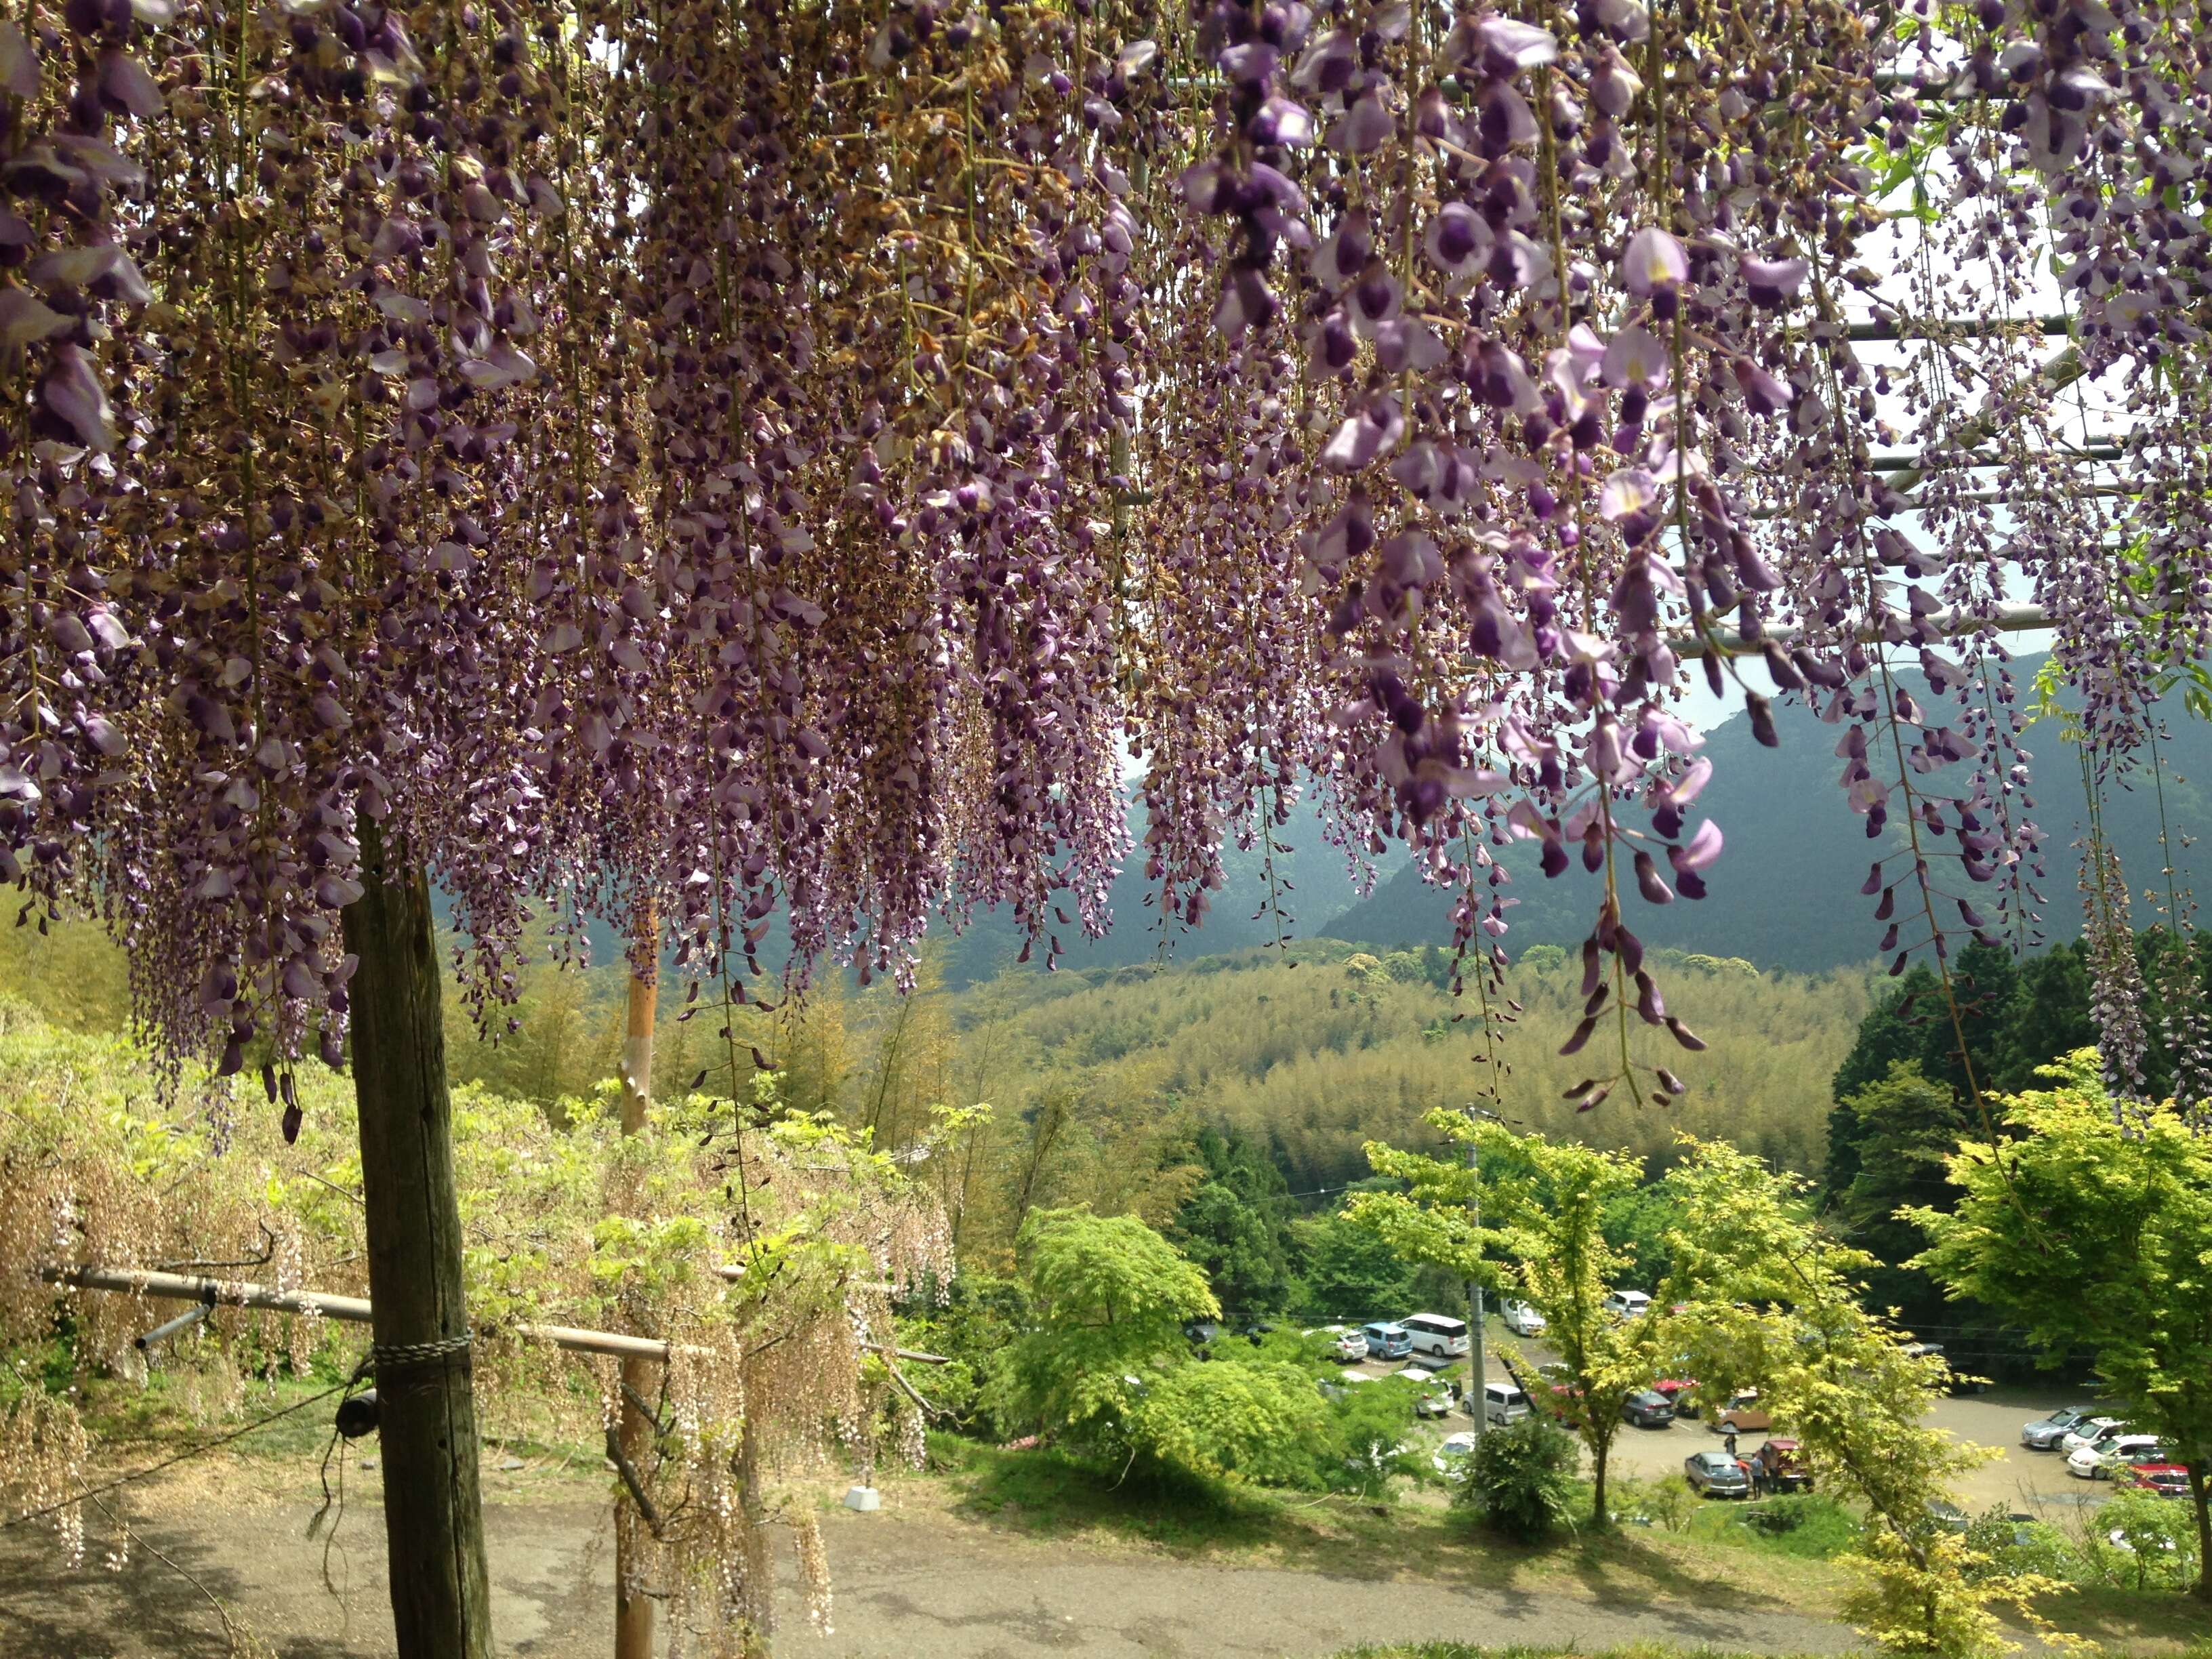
(2166, 1479)
(1681, 1392)
(1780, 1465)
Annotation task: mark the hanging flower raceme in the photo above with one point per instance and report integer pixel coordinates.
(767, 466)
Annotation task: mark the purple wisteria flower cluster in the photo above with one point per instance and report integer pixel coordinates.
(714, 462)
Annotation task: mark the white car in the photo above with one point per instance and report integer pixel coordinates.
(2083, 1434)
(1347, 1345)
(1626, 1304)
(1520, 1318)
(2097, 1461)
(1450, 1458)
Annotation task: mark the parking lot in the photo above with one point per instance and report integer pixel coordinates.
(2029, 1482)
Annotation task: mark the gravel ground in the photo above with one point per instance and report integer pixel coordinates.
(908, 1586)
(911, 1585)
(2028, 1481)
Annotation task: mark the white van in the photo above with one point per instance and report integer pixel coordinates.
(1502, 1403)
(1436, 1336)
(1627, 1305)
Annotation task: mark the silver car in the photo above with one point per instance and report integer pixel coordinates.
(2045, 1432)
(1716, 1474)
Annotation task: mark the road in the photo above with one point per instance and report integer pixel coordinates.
(909, 1586)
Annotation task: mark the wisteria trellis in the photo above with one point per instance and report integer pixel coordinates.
(696, 458)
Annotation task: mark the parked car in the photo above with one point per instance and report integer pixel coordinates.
(1502, 1403)
(1949, 1516)
(1387, 1341)
(1780, 1466)
(2166, 1479)
(1436, 1402)
(1347, 1346)
(1716, 1474)
(1648, 1409)
(2089, 1429)
(1520, 1318)
(1559, 1394)
(1437, 1339)
(1337, 1388)
(1681, 1392)
(1954, 1380)
(2097, 1461)
(1743, 1414)
(1626, 1304)
(1451, 1457)
(2045, 1432)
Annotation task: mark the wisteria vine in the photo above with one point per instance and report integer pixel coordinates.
(717, 463)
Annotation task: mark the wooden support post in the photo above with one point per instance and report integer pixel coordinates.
(427, 1424)
(634, 1609)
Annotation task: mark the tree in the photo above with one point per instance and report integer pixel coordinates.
(1771, 1301)
(1238, 1421)
(2048, 1016)
(1233, 1225)
(1110, 1299)
(2092, 1225)
(1891, 1031)
(1543, 1207)
(1908, 1129)
(1349, 1272)
(1109, 1368)
(688, 460)
(1638, 1224)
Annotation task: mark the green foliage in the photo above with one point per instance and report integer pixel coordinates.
(1110, 1297)
(2141, 1540)
(980, 1314)
(1521, 1480)
(1541, 1235)
(68, 973)
(2007, 1547)
(2089, 1231)
(1666, 1501)
(1234, 1226)
(1349, 1272)
(1238, 1422)
(1368, 1443)
(1638, 1224)
(1936, 1597)
(1904, 1128)
(1775, 1303)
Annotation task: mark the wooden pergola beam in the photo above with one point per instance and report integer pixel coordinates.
(355, 1309)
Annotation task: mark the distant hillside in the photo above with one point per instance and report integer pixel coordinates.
(1784, 893)
(1314, 1052)
(1320, 886)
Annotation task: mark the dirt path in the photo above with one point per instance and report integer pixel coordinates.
(908, 1586)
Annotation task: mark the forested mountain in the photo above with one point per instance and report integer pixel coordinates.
(1784, 893)
(1315, 882)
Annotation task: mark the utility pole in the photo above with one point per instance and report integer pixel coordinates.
(1477, 1361)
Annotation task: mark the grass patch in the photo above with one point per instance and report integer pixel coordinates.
(1804, 1526)
(1046, 1492)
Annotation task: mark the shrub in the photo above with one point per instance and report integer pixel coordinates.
(2010, 1546)
(1520, 1480)
(1665, 1502)
(2141, 1538)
